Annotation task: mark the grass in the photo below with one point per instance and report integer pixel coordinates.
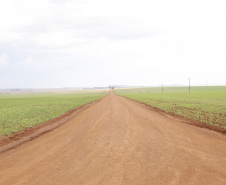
(204, 104)
(21, 111)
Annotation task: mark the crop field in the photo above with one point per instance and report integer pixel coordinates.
(204, 104)
(21, 111)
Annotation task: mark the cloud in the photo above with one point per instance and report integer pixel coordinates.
(4, 60)
(29, 60)
(139, 41)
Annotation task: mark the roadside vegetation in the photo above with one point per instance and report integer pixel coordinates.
(22, 111)
(204, 104)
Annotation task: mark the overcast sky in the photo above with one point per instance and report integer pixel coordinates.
(77, 43)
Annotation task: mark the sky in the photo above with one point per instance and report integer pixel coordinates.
(86, 43)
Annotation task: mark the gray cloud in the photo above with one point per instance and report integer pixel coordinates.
(105, 41)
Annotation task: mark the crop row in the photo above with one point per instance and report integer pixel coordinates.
(204, 106)
(19, 112)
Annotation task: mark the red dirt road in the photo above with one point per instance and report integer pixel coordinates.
(118, 142)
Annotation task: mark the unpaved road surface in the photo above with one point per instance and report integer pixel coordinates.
(118, 141)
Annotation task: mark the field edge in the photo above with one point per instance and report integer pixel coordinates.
(16, 139)
(180, 118)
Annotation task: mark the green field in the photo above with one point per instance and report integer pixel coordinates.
(21, 111)
(204, 104)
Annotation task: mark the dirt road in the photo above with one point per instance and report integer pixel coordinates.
(118, 141)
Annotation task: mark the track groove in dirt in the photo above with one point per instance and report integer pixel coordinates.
(118, 141)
